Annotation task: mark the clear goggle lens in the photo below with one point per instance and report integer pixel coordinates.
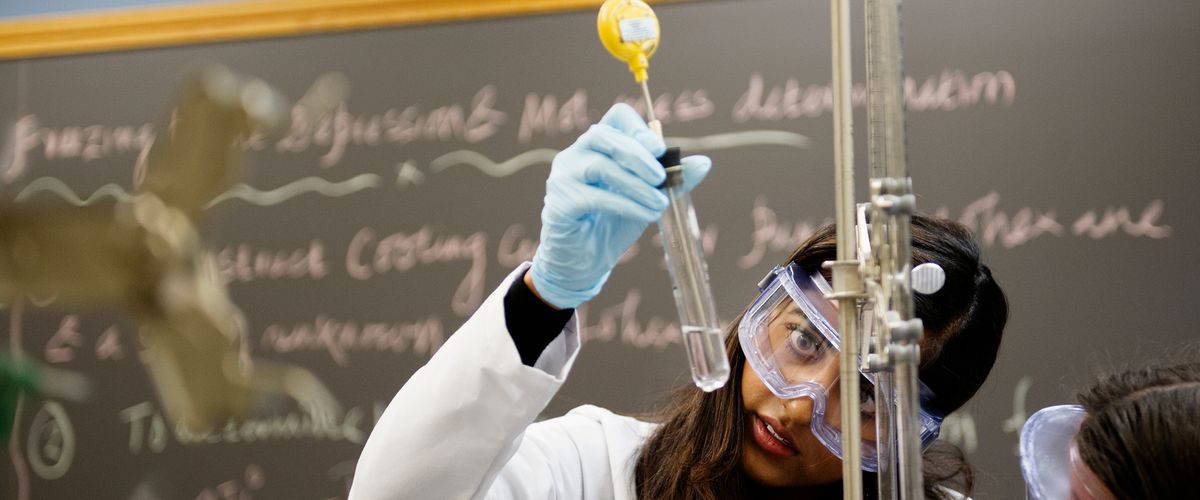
(1051, 463)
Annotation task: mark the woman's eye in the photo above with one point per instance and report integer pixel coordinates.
(802, 341)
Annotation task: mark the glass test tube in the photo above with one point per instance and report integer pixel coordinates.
(703, 337)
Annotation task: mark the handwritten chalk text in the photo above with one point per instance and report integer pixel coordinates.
(87, 143)
(339, 338)
(147, 428)
(334, 133)
(369, 255)
(242, 263)
(950, 90)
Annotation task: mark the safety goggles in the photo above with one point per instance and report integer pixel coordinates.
(1050, 461)
(789, 340)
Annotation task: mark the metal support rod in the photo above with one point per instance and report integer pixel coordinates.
(887, 475)
(891, 191)
(908, 428)
(843, 273)
(885, 436)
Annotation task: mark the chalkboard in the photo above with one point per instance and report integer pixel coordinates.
(1063, 133)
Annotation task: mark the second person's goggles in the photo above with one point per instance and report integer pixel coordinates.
(1050, 460)
(789, 340)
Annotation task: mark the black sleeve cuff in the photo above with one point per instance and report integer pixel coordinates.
(532, 323)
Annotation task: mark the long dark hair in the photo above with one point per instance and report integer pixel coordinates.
(1142, 433)
(696, 453)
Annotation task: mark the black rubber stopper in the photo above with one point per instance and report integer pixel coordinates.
(671, 158)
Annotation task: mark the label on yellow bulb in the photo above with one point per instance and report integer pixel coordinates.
(630, 32)
(638, 29)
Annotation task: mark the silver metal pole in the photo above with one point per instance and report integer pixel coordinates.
(885, 429)
(846, 283)
(887, 476)
(898, 395)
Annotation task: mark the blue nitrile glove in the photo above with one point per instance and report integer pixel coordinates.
(601, 194)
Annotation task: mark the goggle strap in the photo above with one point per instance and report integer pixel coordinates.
(766, 281)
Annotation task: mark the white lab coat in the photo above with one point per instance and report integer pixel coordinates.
(462, 427)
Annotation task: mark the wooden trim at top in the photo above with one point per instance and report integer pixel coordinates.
(104, 31)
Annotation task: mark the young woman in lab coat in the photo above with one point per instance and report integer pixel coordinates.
(462, 427)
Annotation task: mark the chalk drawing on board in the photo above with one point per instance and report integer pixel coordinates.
(407, 173)
(254, 196)
(240, 191)
(58, 187)
(544, 155)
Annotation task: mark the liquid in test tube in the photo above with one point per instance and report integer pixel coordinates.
(703, 337)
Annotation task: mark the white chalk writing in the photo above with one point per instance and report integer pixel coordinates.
(51, 446)
(153, 435)
(514, 247)
(243, 263)
(87, 143)
(771, 235)
(1116, 220)
(689, 105)
(368, 255)
(546, 116)
(620, 322)
(959, 428)
(147, 425)
(1020, 413)
(952, 89)
(993, 225)
(339, 338)
(63, 345)
(473, 123)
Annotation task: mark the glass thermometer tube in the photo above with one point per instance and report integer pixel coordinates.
(702, 335)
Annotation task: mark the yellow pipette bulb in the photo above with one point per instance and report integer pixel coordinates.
(629, 30)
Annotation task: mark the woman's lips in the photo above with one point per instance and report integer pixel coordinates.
(772, 437)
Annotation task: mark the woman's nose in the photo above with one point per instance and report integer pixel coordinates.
(799, 410)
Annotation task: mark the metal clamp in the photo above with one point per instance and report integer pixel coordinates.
(905, 330)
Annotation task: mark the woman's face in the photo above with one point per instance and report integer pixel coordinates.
(779, 449)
